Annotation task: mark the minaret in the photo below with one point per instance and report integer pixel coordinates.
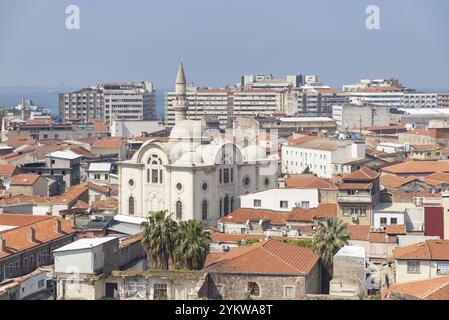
(180, 103)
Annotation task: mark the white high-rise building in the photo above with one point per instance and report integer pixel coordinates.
(196, 174)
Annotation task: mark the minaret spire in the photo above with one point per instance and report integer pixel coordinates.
(180, 103)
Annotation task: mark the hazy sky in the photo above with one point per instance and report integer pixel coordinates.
(221, 40)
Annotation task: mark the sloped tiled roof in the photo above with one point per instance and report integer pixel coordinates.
(17, 239)
(417, 167)
(7, 169)
(108, 143)
(393, 181)
(308, 181)
(24, 179)
(430, 289)
(267, 257)
(427, 250)
(363, 233)
(362, 174)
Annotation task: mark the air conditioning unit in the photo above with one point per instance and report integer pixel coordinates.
(225, 248)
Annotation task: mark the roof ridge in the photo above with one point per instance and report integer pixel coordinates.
(446, 282)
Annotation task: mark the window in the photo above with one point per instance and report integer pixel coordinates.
(97, 176)
(131, 205)
(179, 186)
(266, 181)
(204, 186)
(154, 170)
(226, 205)
(41, 283)
(443, 268)
(106, 176)
(160, 291)
(225, 175)
(221, 176)
(253, 289)
(221, 208)
(394, 221)
(131, 182)
(97, 197)
(232, 175)
(413, 267)
(178, 210)
(204, 210)
(289, 292)
(305, 204)
(246, 181)
(257, 203)
(283, 204)
(383, 221)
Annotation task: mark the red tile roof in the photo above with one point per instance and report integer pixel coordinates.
(308, 181)
(96, 187)
(396, 230)
(267, 257)
(24, 179)
(388, 180)
(7, 169)
(108, 143)
(17, 239)
(356, 186)
(430, 289)
(363, 233)
(362, 174)
(427, 250)
(418, 167)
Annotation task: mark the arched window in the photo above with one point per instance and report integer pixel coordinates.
(226, 205)
(204, 210)
(131, 206)
(178, 210)
(154, 170)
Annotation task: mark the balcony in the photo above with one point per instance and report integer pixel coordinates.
(355, 198)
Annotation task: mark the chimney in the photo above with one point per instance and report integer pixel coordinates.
(31, 234)
(57, 225)
(2, 244)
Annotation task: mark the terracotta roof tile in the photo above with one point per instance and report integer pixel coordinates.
(427, 250)
(18, 239)
(7, 169)
(108, 143)
(267, 257)
(396, 229)
(24, 179)
(393, 181)
(308, 181)
(418, 167)
(430, 289)
(362, 174)
(232, 238)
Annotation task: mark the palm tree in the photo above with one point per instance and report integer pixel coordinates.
(331, 235)
(158, 239)
(191, 245)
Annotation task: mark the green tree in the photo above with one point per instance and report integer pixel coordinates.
(247, 242)
(191, 245)
(158, 239)
(331, 235)
(306, 243)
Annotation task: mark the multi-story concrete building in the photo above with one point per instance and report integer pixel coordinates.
(286, 126)
(85, 104)
(417, 100)
(268, 82)
(220, 106)
(324, 157)
(110, 101)
(443, 100)
(319, 100)
(354, 116)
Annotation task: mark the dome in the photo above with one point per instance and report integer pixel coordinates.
(189, 158)
(187, 130)
(254, 153)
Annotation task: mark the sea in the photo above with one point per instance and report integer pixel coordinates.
(48, 98)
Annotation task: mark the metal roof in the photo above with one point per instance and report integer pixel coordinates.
(85, 244)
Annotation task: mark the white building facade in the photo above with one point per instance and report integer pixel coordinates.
(196, 175)
(281, 199)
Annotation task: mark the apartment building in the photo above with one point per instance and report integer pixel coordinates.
(416, 100)
(324, 157)
(443, 100)
(355, 116)
(319, 100)
(263, 81)
(85, 104)
(385, 96)
(220, 106)
(111, 101)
